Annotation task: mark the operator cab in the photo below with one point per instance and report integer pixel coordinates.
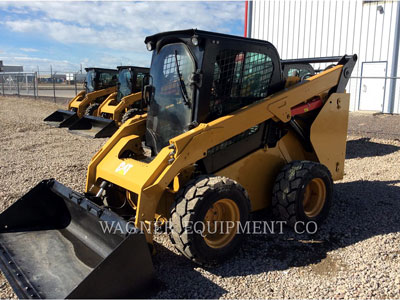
(198, 76)
(98, 79)
(130, 80)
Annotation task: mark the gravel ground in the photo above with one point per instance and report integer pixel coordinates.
(356, 254)
(376, 125)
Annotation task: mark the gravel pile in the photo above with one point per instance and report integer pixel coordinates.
(356, 254)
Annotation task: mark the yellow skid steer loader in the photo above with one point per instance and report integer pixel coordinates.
(222, 137)
(99, 84)
(118, 107)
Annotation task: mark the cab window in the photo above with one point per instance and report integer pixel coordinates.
(139, 82)
(240, 78)
(107, 79)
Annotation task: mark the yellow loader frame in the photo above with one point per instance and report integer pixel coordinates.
(81, 101)
(117, 109)
(156, 183)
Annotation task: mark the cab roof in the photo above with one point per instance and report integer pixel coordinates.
(100, 69)
(187, 33)
(143, 69)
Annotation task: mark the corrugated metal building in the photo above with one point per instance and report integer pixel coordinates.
(317, 28)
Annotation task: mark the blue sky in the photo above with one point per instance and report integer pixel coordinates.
(65, 34)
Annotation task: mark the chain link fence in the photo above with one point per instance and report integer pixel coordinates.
(369, 91)
(56, 85)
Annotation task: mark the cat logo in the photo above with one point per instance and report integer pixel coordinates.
(123, 168)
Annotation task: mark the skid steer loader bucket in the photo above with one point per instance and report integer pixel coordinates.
(95, 127)
(53, 245)
(61, 118)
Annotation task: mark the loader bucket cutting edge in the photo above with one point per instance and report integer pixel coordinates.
(61, 118)
(52, 245)
(95, 127)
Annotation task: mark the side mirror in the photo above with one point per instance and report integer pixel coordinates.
(148, 94)
(196, 78)
(147, 90)
(146, 80)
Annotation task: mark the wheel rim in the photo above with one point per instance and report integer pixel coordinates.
(314, 197)
(219, 232)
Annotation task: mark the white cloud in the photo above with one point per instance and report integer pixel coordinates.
(106, 60)
(115, 31)
(120, 25)
(31, 63)
(28, 49)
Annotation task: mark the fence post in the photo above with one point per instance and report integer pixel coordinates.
(54, 88)
(37, 83)
(26, 82)
(2, 84)
(34, 84)
(17, 84)
(76, 88)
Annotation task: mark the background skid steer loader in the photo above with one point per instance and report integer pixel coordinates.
(117, 108)
(300, 70)
(99, 83)
(222, 137)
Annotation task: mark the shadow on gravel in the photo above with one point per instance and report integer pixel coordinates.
(179, 278)
(363, 147)
(360, 210)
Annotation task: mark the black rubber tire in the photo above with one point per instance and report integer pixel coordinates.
(91, 109)
(191, 205)
(130, 113)
(289, 187)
